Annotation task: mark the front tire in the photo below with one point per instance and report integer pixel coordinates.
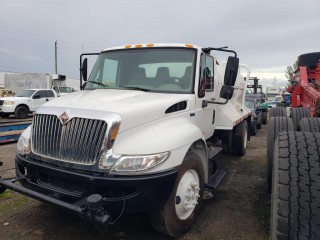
(179, 213)
(21, 112)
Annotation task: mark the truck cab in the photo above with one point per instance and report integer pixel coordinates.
(142, 136)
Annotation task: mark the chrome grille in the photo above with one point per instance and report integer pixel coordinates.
(78, 141)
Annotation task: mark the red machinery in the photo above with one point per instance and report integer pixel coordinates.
(306, 85)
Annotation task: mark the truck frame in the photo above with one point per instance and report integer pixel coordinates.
(142, 136)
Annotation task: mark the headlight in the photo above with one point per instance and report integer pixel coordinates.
(7, 102)
(131, 164)
(24, 143)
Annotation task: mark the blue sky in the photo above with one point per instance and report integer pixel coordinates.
(268, 35)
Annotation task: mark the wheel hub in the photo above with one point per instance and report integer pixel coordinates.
(188, 194)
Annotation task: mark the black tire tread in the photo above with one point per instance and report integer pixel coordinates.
(264, 118)
(275, 126)
(310, 124)
(277, 112)
(297, 114)
(238, 147)
(296, 187)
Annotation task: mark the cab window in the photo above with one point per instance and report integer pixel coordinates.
(206, 81)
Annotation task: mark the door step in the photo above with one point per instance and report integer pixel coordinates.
(215, 179)
(213, 151)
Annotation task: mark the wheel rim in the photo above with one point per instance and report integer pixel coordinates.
(22, 113)
(187, 194)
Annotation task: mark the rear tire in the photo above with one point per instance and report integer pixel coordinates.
(227, 141)
(297, 114)
(310, 125)
(240, 138)
(264, 117)
(275, 126)
(253, 128)
(277, 112)
(179, 213)
(295, 205)
(21, 112)
(259, 122)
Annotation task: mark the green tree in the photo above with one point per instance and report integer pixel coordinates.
(290, 71)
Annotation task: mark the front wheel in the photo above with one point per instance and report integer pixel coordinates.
(21, 112)
(179, 213)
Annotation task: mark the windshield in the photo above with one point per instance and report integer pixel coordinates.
(25, 93)
(249, 104)
(65, 89)
(151, 69)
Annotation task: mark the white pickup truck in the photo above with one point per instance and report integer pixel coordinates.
(25, 101)
(142, 136)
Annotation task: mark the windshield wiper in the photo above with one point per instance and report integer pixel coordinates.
(137, 88)
(99, 83)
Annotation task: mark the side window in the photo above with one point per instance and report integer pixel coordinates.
(206, 81)
(202, 74)
(42, 93)
(209, 74)
(50, 93)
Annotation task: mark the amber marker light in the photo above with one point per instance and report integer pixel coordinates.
(139, 46)
(150, 45)
(189, 45)
(127, 46)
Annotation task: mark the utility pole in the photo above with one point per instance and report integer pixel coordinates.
(56, 56)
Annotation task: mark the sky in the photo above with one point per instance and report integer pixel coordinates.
(267, 35)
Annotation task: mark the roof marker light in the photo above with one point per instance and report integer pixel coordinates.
(150, 45)
(127, 46)
(138, 45)
(189, 45)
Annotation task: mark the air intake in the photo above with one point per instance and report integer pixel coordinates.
(177, 107)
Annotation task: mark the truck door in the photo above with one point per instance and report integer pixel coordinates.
(206, 115)
(38, 98)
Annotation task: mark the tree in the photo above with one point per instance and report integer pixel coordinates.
(290, 71)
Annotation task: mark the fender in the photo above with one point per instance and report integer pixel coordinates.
(158, 136)
(170, 134)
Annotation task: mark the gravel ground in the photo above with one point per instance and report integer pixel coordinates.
(239, 209)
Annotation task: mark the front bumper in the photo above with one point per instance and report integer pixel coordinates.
(75, 190)
(7, 108)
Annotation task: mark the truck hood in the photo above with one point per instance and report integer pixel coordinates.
(135, 107)
(14, 98)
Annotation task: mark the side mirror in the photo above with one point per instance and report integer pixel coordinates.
(226, 92)
(84, 69)
(36, 96)
(231, 72)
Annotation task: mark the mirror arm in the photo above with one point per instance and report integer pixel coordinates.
(205, 102)
(221, 49)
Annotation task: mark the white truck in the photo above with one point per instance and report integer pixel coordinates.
(141, 137)
(25, 102)
(272, 93)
